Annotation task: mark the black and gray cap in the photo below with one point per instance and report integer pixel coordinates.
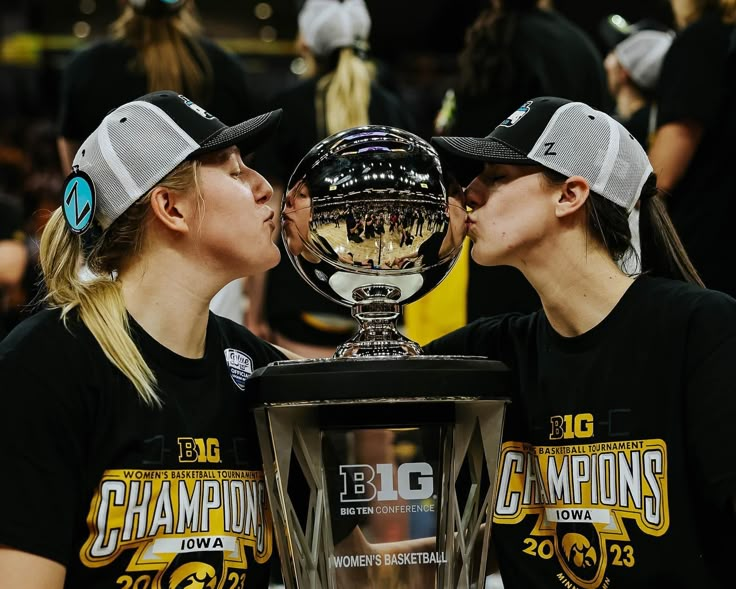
(568, 137)
(140, 142)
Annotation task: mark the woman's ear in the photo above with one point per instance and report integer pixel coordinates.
(572, 196)
(172, 208)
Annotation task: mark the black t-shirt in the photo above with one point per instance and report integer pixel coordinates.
(549, 56)
(693, 86)
(103, 76)
(293, 308)
(121, 493)
(616, 467)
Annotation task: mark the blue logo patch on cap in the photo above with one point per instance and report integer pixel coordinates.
(517, 115)
(196, 108)
(79, 202)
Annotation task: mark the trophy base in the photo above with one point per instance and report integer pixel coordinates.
(377, 335)
(362, 347)
(381, 471)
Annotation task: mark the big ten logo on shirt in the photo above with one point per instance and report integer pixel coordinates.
(198, 449)
(579, 495)
(571, 426)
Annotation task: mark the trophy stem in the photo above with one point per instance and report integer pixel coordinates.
(377, 333)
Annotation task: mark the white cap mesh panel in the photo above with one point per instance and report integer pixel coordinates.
(108, 189)
(630, 171)
(581, 141)
(122, 166)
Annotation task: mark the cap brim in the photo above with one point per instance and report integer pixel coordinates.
(464, 156)
(484, 149)
(248, 135)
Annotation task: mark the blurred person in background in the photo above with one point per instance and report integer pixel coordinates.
(154, 45)
(516, 49)
(696, 125)
(340, 94)
(632, 69)
(14, 257)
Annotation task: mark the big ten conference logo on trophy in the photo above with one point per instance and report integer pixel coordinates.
(413, 481)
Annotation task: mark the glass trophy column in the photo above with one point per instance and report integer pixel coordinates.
(381, 471)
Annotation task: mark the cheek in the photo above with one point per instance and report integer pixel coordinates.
(506, 223)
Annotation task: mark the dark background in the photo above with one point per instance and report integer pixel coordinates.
(417, 41)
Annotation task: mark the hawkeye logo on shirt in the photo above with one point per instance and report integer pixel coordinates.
(180, 528)
(581, 495)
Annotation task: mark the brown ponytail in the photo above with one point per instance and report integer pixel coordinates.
(168, 51)
(662, 252)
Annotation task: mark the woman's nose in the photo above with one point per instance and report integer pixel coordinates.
(261, 188)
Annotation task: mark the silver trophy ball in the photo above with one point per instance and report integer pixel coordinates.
(369, 221)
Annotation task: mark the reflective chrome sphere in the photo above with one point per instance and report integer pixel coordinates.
(366, 217)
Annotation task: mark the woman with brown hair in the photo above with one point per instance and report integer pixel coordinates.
(617, 444)
(153, 45)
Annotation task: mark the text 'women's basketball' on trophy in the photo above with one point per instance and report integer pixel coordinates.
(380, 463)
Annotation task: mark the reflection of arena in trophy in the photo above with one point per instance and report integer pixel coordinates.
(366, 219)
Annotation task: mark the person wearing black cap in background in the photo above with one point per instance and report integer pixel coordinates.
(513, 50)
(129, 454)
(617, 444)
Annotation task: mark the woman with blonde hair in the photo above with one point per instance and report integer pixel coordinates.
(124, 421)
(338, 95)
(153, 45)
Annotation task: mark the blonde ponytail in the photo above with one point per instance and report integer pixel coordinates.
(347, 93)
(99, 299)
(100, 304)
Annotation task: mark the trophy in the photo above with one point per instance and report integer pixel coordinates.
(380, 463)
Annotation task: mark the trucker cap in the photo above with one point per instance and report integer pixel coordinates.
(568, 137)
(138, 144)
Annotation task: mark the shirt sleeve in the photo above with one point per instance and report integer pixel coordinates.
(711, 397)
(41, 435)
(489, 337)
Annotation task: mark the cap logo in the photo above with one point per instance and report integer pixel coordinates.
(196, 108)
(79, 201)
(517, 115)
